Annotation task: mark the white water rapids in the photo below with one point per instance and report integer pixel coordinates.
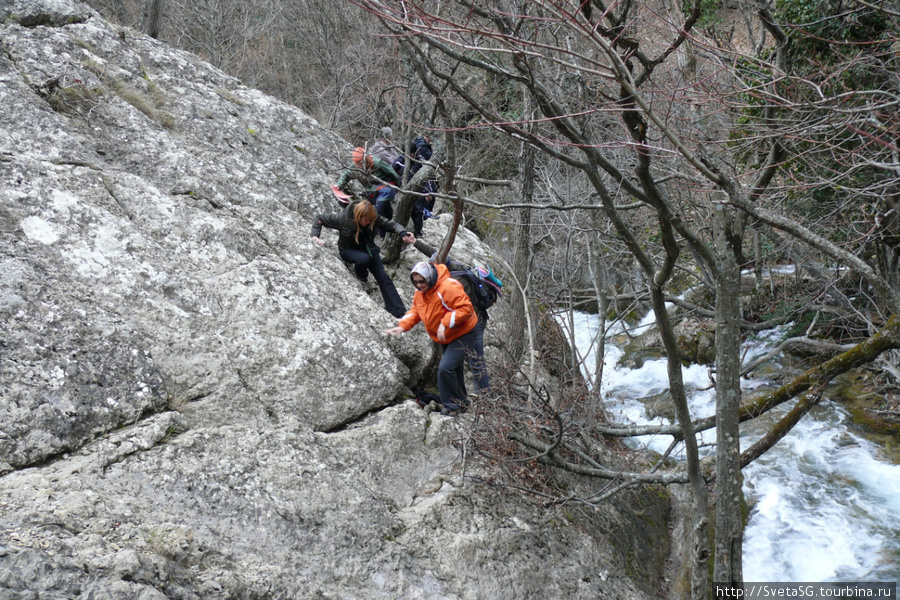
(825, 502)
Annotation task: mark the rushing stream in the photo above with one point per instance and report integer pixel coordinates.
(825, 501)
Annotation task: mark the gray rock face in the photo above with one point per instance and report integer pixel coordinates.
(196, 402)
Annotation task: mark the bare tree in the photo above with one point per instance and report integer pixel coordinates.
(699, 153)
(655, 140)
(152, 16)
(227, 33)
(522, 254)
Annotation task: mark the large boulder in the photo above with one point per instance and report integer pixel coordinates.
(196, 402)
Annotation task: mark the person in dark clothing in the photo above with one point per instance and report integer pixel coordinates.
(424, 205)
(356, 226)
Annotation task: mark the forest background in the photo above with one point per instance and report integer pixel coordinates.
(626, 155)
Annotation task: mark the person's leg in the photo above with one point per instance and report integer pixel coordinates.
(448, 375)
(451, 377)
(383, 203)
(461, 382)
(476, 358)
(428, 205)
(384, 209)
(361, 262)
(418, 216)
(392, 301)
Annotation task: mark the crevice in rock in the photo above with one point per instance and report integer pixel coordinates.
(344, 425)
(76, 163)
(195, 398)
(270, 412)
(110, 188)
(65, 453)
(46, 20)
(199, 196)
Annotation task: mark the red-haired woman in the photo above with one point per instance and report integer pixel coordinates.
(356, 226)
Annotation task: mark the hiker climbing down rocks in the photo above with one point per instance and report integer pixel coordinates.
(356, 226)
(376, 176)
(385, 149)
(424, 205)
(459, 271)
(444, 308)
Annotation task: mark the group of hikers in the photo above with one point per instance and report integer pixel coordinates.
(440, 302)
(381, 168)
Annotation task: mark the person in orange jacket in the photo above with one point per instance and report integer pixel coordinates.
(444, 308)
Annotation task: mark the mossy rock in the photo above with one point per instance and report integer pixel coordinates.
(877, 415)
(697, 341)
(635, 356)
(660, 406)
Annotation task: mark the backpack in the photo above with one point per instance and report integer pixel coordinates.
(385, 152)
(482, 292)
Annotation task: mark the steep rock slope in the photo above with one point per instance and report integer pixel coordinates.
(195, 402)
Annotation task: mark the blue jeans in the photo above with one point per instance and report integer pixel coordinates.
(451, 373)
(365, 262)
(382, 198)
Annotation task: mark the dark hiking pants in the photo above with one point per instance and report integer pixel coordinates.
(363, 264)
(451, 373)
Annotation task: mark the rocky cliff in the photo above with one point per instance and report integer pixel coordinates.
(196, 402)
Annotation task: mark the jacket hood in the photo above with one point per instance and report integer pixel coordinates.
(428, 271)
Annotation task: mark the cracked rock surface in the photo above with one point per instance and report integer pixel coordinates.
(196, 402)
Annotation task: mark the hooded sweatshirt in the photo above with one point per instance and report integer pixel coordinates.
(443, 302)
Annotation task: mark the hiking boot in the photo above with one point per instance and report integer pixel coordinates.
(368, 286)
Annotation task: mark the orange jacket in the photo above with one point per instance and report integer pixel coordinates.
(445, 302)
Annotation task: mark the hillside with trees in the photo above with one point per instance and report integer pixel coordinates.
(628, 156)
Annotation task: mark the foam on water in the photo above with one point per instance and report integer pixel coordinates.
(825, 505)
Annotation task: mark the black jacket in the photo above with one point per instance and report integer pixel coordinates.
(346, 228)
(421, 152)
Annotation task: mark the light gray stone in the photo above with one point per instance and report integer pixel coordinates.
(195, 401)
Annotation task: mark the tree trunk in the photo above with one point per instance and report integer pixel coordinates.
(521, 261)
(390, 249)
(729, 529)
(700, 526)
(153, 17)
(118, 9)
